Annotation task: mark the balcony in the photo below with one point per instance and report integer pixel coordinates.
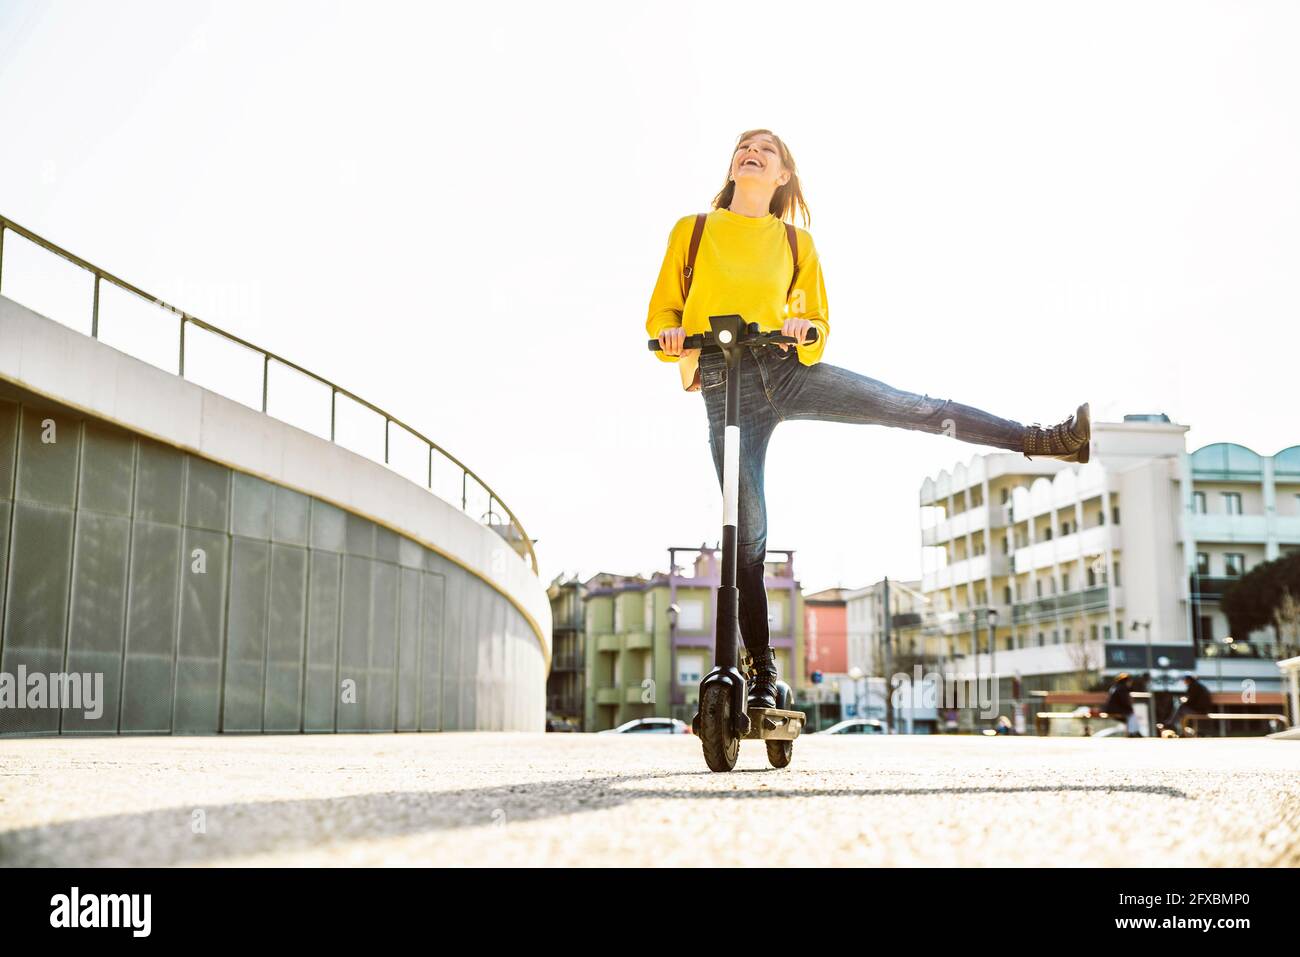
(1287, 528)
(1229, 529)
(571, 661)
(1265, 649)
(975, 568)
(973, 521)
(1087, 599)
(639, 641)
(1066, 548)
(609, 695)
(564, 703)
(1205, 588)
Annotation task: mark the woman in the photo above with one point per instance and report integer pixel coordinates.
(744, 264)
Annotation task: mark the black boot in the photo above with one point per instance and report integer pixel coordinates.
(762, 679)
(1070, 441)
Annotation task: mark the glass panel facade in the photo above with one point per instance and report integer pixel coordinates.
(204, 600)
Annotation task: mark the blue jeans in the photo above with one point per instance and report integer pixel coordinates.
(776, 387)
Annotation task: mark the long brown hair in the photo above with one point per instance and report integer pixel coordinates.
(786, 198)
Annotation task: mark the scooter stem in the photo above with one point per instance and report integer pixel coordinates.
(727, 331)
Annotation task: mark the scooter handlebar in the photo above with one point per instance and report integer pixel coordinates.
(703, 340)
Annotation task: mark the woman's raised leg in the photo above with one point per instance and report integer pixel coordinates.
(830, 393)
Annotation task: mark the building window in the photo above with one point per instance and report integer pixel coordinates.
(1065, 580)
(1203, 563)
(1040, 639)
(1117, 581)
(691, 616)
(776, 616)
(1231, 503)
(1101, 516)
(1114, 514)
(1047, 534)
(1234, 564)
(1198, 503)
(1105, 632)
(1038, 588)
(1006, 594)
(689, 668)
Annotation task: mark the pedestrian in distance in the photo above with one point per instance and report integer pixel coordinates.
(1196, 702)
(1119, 703)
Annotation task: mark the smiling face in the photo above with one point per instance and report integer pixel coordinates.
(757, 163)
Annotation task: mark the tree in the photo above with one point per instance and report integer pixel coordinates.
(1286, 621)
(1087, 658)
(1254, 600)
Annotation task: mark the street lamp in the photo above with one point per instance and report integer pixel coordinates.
(992, 617)
(1227, 648)
(1147, 625)
(1164, 662)
(1218, 659)
(673, 611)
(856, 674)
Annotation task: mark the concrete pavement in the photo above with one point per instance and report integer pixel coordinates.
(646, 800)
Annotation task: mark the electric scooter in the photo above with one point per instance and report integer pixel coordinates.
(723, 719)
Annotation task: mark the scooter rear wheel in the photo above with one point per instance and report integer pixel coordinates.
(780, 753)
(721, 746)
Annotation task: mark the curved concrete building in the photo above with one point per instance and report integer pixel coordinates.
(223, 571)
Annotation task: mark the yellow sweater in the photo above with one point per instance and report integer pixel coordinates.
(742, 267)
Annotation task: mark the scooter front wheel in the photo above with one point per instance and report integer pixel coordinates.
(721, 746)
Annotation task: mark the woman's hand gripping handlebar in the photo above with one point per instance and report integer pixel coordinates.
(674, 342)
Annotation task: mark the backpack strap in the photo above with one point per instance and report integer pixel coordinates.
(689, 272)
(793, 238)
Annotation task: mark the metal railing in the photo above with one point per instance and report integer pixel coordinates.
(512, 531)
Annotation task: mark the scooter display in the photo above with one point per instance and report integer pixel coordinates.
(723, 719)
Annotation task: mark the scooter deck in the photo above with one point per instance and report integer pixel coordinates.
(773, 724)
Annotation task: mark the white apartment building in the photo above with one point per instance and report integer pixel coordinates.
(869, 653)
(1116, 565)
(865, 612)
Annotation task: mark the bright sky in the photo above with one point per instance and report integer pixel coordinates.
(458, 212)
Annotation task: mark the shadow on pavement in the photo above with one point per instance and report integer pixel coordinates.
(165, 837)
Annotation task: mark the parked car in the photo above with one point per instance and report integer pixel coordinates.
(856, 726)
(651, 726)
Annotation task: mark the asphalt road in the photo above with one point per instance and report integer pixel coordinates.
(638, 800)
